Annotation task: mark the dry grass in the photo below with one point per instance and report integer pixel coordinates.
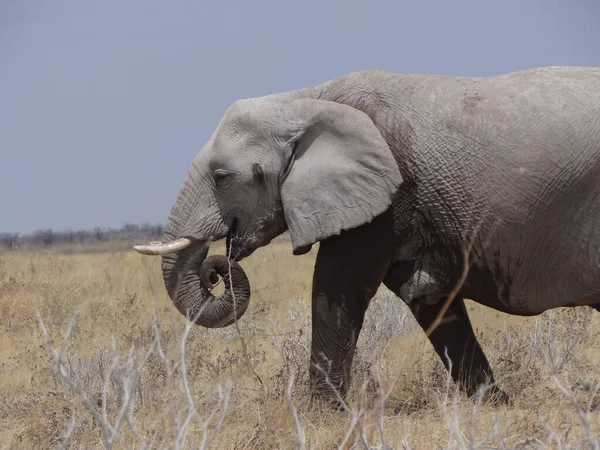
(124, 357)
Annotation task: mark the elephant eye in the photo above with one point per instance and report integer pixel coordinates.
(221, 177)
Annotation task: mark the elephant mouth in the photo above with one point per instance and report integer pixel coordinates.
(230, 238)
(237, 245)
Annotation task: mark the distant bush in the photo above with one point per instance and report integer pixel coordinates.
(49, 238)
(9, 240)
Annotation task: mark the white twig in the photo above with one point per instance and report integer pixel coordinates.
(65, 440)
(109, 432)
(237, 326)
(105, 427)
(301, 437)
(583, 417)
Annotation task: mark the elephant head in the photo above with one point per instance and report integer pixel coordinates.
(284, 162)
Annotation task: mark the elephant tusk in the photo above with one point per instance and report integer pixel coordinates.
(160, 248)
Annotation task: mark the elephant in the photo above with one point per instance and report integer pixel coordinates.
(439, 187)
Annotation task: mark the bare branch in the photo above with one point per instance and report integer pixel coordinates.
(65, 440)
(223, 405)
(299, 429)
(583, 417)
(182, 431)
(237, 326)
(105, 427)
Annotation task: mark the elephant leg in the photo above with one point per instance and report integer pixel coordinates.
(349, 269)
(455, 342)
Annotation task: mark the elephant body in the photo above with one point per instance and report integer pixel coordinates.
(411, 181)
(509, 164)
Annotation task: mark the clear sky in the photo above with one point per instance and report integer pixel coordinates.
(103, 104)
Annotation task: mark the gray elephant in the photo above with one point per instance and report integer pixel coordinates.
(421, 182)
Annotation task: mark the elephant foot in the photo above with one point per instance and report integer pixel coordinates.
(328, 401)
(328, 394)
(492, 396)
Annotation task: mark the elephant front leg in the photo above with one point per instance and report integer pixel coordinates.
(336, 327)
(349, 269)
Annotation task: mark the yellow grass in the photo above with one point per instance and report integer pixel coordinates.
(121, 299)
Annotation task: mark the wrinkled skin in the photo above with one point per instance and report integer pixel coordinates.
(211, 312)
(395, 176)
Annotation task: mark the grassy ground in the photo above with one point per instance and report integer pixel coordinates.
(124, 357)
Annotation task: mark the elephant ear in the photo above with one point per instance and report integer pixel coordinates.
(342, 171)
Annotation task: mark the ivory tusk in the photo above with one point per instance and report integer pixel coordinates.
(160, 248)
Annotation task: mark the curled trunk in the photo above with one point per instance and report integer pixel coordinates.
(189, 276)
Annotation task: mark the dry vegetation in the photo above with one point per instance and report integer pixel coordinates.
(133, 374)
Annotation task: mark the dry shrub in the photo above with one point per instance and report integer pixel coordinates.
(130, 372)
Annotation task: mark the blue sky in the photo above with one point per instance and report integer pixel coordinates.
(104, 104)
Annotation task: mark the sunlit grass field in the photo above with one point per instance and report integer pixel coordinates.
(128, 363)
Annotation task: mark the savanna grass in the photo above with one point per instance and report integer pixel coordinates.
(133, 373)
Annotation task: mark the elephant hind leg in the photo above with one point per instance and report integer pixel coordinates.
(453, 340)
(456, 344)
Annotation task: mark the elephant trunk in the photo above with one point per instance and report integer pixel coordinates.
(189, 276)
(196, 221)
